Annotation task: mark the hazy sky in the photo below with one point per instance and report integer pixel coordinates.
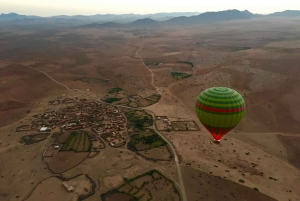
(89, 7)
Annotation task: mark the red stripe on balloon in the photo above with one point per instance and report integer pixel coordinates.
(218, 110)
(220, 134)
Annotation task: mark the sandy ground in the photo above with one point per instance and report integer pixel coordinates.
(52, 189)
(232, 156)
(203, 186)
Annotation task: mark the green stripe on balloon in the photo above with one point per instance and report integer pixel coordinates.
(239, 101)
(215, 105)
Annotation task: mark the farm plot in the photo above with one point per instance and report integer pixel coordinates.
(154, 98)
(139, 119)
(78, 141)
(149, 186)
(147, 101)
(161, 123)
(31, 139)
(64, 161)
(184, 126)
(118, 96)
(178, 75)
(145, 140)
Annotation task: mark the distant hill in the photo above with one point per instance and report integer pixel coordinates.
(287, 13)
(13, 16)
(103, 25)
(207, 17)
(127, 18)
(251, 15)
(211, 17)
(157, 19)
(144, 22)
(223, 15)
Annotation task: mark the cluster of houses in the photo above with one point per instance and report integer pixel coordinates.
(115, 139)
(102, 119)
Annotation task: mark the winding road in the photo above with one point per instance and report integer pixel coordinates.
(182, 188)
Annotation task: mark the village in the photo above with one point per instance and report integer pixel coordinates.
(103, 120)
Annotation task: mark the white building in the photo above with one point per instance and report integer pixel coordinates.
(43, 129)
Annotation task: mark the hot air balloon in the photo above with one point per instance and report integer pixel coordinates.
(219, 109)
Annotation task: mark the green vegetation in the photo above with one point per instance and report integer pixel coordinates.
(256, 189)
(69, 140)
(271, 178)
(187, 62)
(154, 98)
(79, 140)
(114, 90)
(134, 190)
(31, 139)
(145, 142)
(137, 101)
(76, 142)
(243, 48)
(242, 181)
(139, 119)
(111, 100)
(132, 100)
(178, 75)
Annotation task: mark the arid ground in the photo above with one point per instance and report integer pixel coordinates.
(257, 160)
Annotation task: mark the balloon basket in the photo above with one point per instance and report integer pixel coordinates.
(216, 141)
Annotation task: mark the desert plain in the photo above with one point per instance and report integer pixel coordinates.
(103, 94)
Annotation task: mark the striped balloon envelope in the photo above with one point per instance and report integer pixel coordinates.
(220, 109)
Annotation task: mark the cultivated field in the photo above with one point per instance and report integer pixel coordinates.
(117, 96)
(78, 141)
(148, 186)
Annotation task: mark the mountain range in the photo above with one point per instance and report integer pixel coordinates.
(122, 18)
(135, 20)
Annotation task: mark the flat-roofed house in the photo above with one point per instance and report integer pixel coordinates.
(68, 187)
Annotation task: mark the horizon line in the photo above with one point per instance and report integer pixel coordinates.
(141, 14)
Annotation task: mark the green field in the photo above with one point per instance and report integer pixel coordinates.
(152, 185)
(139, 118)
(154, 98)
(78, 141)
(111, 100)
(146, 139)
(178, 75)
(242, 48)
